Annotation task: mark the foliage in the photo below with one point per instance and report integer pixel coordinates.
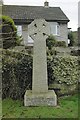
(17, 73)
(67, 108)
(9, 32)
(65, 69)
(51, 52)
(75, 52)
(71, 37)
(60, 44)
(52, 42)
(75, 35)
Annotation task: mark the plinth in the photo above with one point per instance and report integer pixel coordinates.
(42, 99)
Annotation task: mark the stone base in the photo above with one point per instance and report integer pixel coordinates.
(42, 99)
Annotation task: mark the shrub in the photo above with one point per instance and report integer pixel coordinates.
(50, 42)
(60, 44)
(51, 52)
(75, 52)
(71, 37)
(65, 69)
(17, 74)
(65, 72)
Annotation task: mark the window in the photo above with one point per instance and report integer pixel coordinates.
(55, 28)
(19, 30)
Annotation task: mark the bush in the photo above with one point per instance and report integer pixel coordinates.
(17, 74)
(51, 52)
(52, 42)
(75, 52)
(66, 69)
(63, 74)
(71, 38)
(60, 44)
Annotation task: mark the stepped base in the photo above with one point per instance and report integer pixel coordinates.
(40, 99)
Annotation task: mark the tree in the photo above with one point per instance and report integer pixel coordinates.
(9, 32)
(71, 38)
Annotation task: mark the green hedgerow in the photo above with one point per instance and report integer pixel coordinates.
(63, 73)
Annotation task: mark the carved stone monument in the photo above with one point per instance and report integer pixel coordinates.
(40, 95)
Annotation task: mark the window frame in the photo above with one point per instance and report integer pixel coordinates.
(57, 28)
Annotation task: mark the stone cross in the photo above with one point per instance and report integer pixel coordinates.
(39, 95)
(39, 31)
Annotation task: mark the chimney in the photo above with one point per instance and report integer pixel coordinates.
(46, 4)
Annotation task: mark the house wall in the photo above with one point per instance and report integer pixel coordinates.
(63, 33)
(60, 31)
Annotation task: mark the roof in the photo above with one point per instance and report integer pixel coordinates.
(23, 13)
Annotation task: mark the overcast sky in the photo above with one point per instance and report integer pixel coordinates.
(69, 7)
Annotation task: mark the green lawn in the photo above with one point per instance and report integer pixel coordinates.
(67, 108)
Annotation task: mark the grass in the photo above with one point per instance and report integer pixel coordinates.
(0, 108)
(67, 108)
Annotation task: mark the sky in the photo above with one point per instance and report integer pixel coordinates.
(69, 7)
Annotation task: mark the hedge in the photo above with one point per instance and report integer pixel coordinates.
(17, 72)
(63, 74)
